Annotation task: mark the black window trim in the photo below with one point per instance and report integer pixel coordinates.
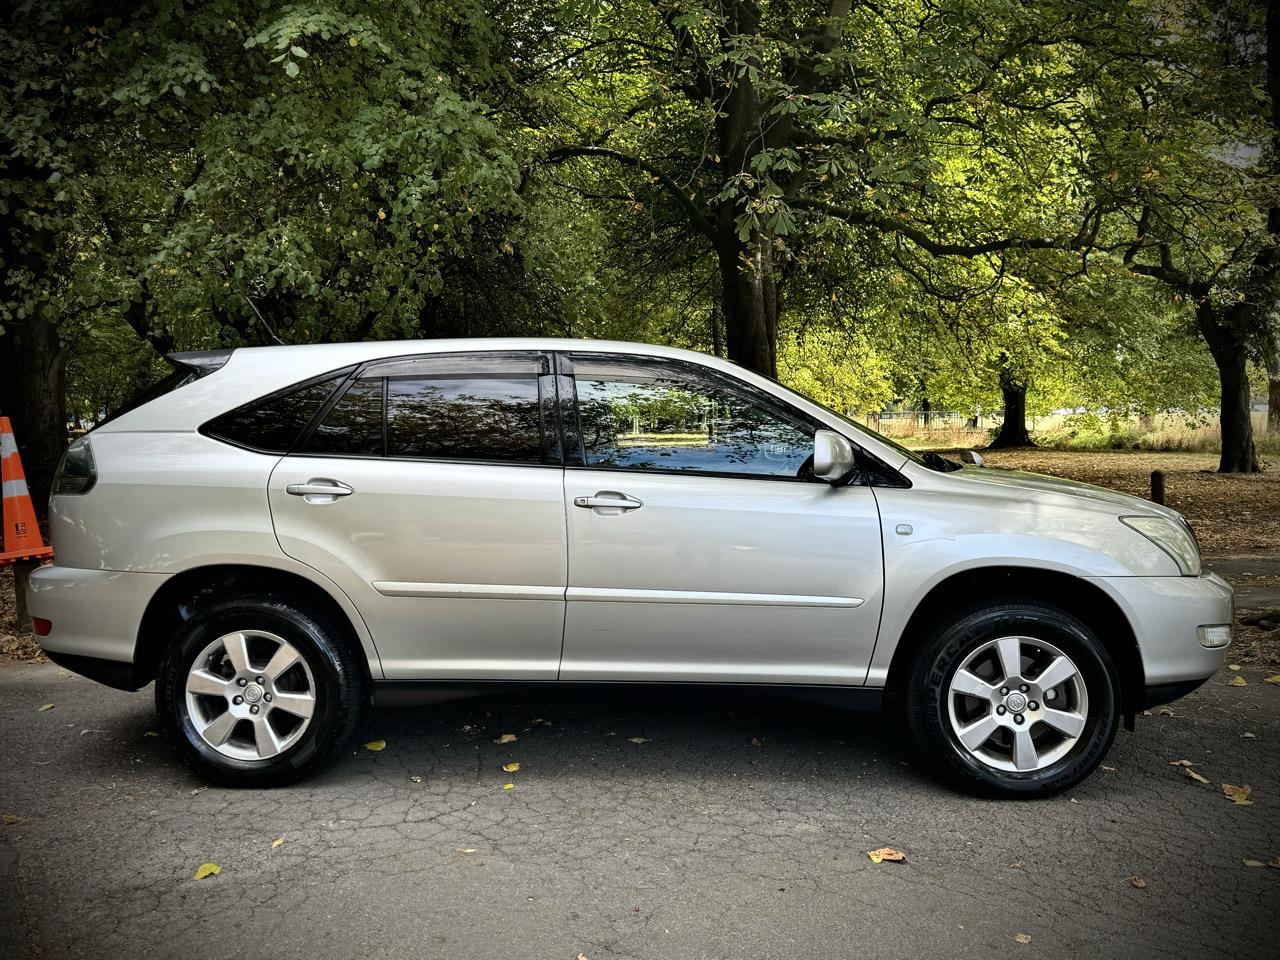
(551, 453)
(871, 470)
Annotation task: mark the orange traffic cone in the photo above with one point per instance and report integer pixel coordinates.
(22, 539)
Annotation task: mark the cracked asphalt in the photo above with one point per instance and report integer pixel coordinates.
(737, 829)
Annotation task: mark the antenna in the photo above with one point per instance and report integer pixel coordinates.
(263, 320)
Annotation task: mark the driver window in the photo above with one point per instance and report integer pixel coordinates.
(654, 415)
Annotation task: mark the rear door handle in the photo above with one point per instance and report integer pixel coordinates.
(608, 499)
(319, 490)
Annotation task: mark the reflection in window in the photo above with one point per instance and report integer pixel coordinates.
(464, 418)
(670, 420)
(354, 425)
(273, 423)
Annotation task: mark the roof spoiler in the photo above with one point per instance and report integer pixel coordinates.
(200, 362)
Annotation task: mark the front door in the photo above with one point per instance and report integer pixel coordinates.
(700, 545)
(431, 493)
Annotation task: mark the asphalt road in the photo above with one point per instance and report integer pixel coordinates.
(738, 829)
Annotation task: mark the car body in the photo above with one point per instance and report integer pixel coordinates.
(460, 515)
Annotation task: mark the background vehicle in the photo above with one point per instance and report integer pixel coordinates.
(293, 529)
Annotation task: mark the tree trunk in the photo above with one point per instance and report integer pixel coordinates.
(1227, 346)
(750, 300)
(1013, 431)
(33, 396)
(1271, 351)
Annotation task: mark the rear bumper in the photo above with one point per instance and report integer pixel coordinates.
(95, 615)
(1164, 613)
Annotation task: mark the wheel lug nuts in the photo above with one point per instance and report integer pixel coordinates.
(1004, 691)
(242, 682)
(267, 697)
(1017, 718)
(1023, 688)
(259, 680)
(1000, 710)
(1033, 705)
(238, 700)
(253, 709)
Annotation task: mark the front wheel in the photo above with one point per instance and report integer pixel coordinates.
(257, 691)
(1014, 699)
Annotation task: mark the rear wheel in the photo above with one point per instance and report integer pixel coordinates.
(258, 691)
(1014, 699)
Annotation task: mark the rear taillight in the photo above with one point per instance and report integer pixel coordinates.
(77, 472)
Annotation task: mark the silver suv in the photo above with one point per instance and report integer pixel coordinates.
(289, 533)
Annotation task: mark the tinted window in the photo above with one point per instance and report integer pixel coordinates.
(354, 424)
(273, 423)
(464, 417)
(643, 415)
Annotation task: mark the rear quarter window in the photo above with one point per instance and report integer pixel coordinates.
(272, 424)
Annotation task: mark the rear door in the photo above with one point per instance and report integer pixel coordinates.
(700, 545)
(431, 492)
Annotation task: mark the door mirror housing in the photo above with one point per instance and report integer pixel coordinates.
(833, 456)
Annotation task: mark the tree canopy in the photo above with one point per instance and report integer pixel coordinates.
(960, 203)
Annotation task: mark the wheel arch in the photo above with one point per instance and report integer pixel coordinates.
(179, 596)
(1074, 595)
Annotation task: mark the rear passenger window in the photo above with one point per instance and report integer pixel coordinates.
(354, 424)
(465, 417)
(273, 423)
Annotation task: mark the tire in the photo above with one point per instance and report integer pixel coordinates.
(276, 743)
(1069, 726)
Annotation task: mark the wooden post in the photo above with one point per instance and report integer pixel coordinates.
(1157, 486)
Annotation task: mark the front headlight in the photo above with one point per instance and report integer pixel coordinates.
(1171, 537)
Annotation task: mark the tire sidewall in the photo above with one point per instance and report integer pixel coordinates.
(949, 649)
(336, 688)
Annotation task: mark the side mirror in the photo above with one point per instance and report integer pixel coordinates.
(833, 456)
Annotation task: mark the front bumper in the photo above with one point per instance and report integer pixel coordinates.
(1164, 613)
(95, 615)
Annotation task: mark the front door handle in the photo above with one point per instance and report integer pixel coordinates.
(319, 490)
(608, 500)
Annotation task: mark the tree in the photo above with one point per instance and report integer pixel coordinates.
(760, 128)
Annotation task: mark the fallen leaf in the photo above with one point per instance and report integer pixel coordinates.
(276, 842)
(1181, 763)
(1248, 736)
(1233, 666)
(1194, 776)
(1138, 882)
(207, 870)
(1254, 863)
(376, 745)
(1237, 795)
(756, 742)
(639, 739)
(466, 849)
(416, 779)
(1238, 681)
(886, 853)
(45, 706)
(1022, 937)
(581, 956)
(506, 738)
(508, 786)
(1275, 862)
(1111, 769)
(1166, 712)
(1275, 679)
(11, 818)
(511, 767)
